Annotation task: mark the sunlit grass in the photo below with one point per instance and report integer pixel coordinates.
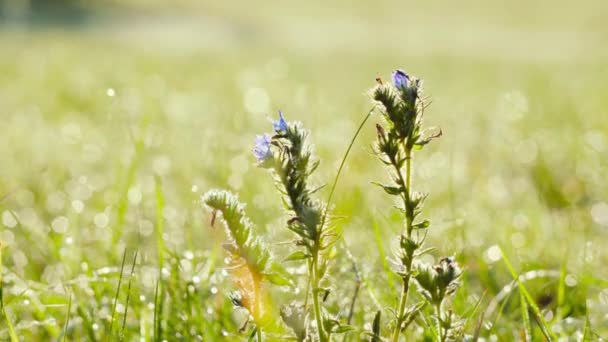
(107, 142)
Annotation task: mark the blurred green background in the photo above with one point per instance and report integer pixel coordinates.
(97, 98)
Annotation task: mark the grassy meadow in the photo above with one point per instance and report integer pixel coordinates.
(111, 129)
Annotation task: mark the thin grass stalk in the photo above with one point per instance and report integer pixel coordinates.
(122, 267)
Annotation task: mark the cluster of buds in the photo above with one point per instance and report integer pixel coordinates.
(439, 281)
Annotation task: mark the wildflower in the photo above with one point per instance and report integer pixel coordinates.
(401, 79)
(262, 147)
(280, 125)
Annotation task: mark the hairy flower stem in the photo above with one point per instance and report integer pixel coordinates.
(257, 302)
(408, 230)
(315, 296)
(439, 325)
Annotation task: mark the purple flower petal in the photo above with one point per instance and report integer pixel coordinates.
(280, 125)
(261, 149)
(401, 79)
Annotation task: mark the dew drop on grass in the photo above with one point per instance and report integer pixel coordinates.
(101, 220)
(570, 280)
(110, 92)
(493, 254)
(8, 220)
(134, 195)
(60, 224)
(196, 279)
(78, 206)
(214, 290)
(599, 213)
(603, 297)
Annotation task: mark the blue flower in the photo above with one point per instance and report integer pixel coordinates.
(280, 125)
(401, 79)
(262, 147)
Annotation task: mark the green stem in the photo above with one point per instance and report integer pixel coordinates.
(408, 184)
(401, 310)
(259, 334)
(315, 296)
(439, 325)
(408, 229)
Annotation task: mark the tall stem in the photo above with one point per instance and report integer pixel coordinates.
(315, 296)
(259, 334)
(408, 229)
(439, 325)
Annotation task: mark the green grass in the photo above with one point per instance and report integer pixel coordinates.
(518, 91)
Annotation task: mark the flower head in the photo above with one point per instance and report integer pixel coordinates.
(280, 125)
(261, 149)
(401, 79)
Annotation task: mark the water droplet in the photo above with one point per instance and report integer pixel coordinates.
(599, 213)
(110, 92)
(134, 195)
(78, 206)
(570, 280)
(60, 224)
(8, 220)
(101, 220)
(493, 254)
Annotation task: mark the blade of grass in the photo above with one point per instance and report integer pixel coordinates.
(387, 270)
(549, 335)
(474, 310)
(123, 203)
(122, 267)
(525, 317)
(350, 146)
(158, 310)
(158, 295)
(11, 329)
(160, 205)
(587, 330)
(561, 291)
(67, 320)
(124, 318)
(86, 323)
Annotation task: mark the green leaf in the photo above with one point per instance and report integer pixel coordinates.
(298, 255)
(278, 279)
(341, 329)
(422, 225)
(391, 190)
(376, 327)
(545, 328)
